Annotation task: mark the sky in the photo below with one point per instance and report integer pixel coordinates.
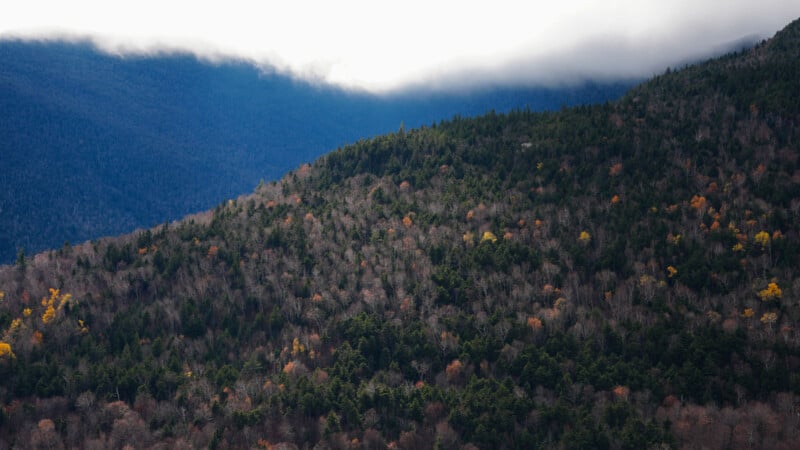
(384, 46)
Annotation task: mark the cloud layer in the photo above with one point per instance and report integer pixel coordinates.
(384, 46)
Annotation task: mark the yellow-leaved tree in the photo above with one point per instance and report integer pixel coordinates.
(769, 318)
(770, 293)
(671, 271)
(297, 347)
(50, 307)
(5, 350)
(762, 238)
(49, 314)
(488, 236)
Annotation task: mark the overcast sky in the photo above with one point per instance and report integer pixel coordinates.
(383, 46)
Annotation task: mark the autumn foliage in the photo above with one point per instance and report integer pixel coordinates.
(772, 292)
(5, 350)
(449, 287)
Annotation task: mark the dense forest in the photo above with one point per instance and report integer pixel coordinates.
(619, 276)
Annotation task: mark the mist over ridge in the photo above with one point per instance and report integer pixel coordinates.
(388, 47)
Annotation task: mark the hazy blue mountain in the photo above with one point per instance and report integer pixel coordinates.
(95, 145)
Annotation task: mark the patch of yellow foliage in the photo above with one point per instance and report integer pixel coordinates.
(488, 236)
(15, 324)
(646, 280)
(769, 318)
(297, 347)
(762, 238)
(671, 271)
(770, 293)
(49, 304)
(5, 350)
(49, 314)
(584, 237)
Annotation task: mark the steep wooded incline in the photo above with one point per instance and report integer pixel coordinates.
(613, 276)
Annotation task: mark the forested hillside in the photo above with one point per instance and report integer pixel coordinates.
(618, 276)
(95, 145)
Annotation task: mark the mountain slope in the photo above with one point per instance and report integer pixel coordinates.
(95, 145)
(612, 276)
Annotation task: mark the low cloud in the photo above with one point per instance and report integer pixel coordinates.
(388, 46)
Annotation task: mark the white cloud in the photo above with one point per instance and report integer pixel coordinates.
(379, 45)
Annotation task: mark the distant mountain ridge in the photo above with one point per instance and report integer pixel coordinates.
(95, 145)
